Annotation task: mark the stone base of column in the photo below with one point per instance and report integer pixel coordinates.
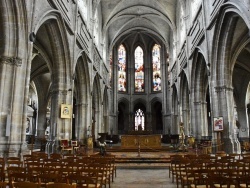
(13, 149)
(52, 146)
(231, 145)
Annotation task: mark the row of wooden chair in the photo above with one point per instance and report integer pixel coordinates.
(210, 171)
(37, 185)
(60, 169)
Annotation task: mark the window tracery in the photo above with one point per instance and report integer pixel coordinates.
(122, 68)
(139, 70)
(156, 63)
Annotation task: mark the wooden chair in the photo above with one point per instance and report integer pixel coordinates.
(60, 185)
(34, 173)
(104, 164)
(65, 171)
(75, 146)
(188, 174)
(17, 177)
(65, 145)
(200, 179)
(83, 181)
(174, 162)
(245, 146)
(2, 169)
(15, 163)
(25, 185)
(48, 177)
(15, 170)
(222, 178)
(181, 170)
(113, 166)
(56, 156)
(96, 173)
(13, 159)
(244, 182)
(3, 184)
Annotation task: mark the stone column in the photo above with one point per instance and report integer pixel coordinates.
(131, 121)
(199, 126)
(174, 127)
(11, 117)
(60, 127)
(167, 124)
(226, 110)
(41, 121)
(148, 122)
(243, 121)
(185, 120)
(82, 121)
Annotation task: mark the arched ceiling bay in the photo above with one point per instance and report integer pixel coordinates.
(153, 17)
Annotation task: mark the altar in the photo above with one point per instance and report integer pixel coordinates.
(144, 141)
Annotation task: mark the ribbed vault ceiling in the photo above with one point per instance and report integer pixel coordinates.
(152, 17)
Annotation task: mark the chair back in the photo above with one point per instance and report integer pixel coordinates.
(3, 184)
(74, 143)
(25, 185)
(64, 142)
(60, 185)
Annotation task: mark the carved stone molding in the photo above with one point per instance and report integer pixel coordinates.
(82, 104)
(223, 88)
(200, 102)
(11, 60)
(59, 91)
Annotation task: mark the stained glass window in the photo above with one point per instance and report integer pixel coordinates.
(156, 63)
(139, 120)
(122, 69)
(139, 70)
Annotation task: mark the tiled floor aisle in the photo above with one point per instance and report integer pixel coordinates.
(142, 178)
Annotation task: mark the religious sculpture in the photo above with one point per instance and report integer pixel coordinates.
(182, 146)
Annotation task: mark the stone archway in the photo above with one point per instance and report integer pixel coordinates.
(174, 125)
(96, 108)
(106, 112)
(51, 73)
(184, 104)
(199, 87)
(82, 96)
(156, 116)
(140, 121)
(230, 70)
(123, 116)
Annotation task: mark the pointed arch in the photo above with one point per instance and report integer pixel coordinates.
(199, 87)
(175, 103)
(96, 107)
(81, 94)
(157, 115)
(140, 115)
(231, 67)
(123, 115)
(106, 110)
(184, 103)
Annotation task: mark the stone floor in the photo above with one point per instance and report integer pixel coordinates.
(146, 178)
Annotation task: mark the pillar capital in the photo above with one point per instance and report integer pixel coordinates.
(199, 103)
(59, 91)
(225, 88)
(82, 104)
(11, 61)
